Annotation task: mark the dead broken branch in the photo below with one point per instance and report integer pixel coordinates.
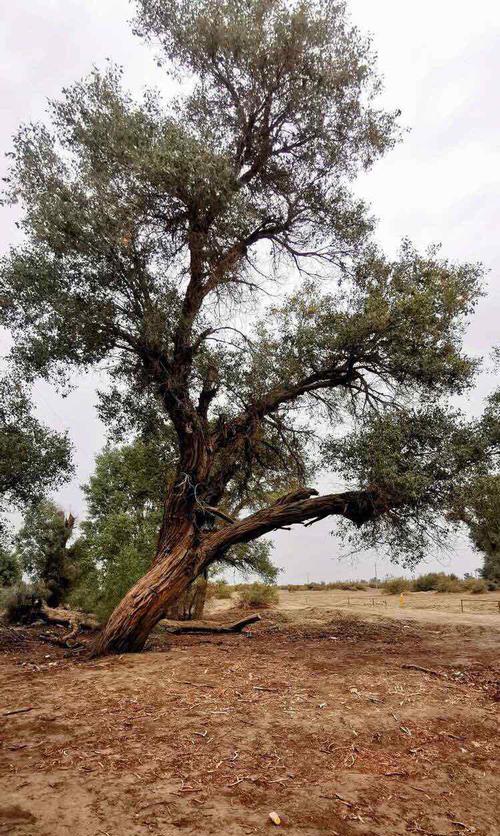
(17, 711)
(69, 618)
(423, 670)
(208, 626)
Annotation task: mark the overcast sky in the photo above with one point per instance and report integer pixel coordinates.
(441, 64)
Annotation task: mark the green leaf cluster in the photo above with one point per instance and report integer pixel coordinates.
(45, 552)
(33, 458)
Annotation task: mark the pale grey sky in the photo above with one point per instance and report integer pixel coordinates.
(441, 64)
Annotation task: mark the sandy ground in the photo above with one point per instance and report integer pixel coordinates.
(429, 607)
(313, 715)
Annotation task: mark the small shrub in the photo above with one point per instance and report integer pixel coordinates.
(220, 589)
(224, 592)
(258, 595)
(449, 584)
(24, 603)
(479, 587)
(428, 582)
(394, 586)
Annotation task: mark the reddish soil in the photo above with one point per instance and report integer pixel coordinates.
(208, 735)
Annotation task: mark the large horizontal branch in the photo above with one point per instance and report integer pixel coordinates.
(357, 506)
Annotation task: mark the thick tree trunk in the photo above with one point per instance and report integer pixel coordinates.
(178, 560)
(144, 605)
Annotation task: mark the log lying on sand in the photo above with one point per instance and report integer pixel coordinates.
(208, 626)
(69, 618)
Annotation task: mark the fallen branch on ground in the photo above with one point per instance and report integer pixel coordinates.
(208, 626)
(17, 711)
(423, 670)
(69, 618)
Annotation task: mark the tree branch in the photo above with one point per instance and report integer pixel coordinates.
(357, 506)
(251, 417)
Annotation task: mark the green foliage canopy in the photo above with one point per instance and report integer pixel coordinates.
(44, 550)
(33, 458)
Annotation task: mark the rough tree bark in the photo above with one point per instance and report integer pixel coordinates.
(144, 605)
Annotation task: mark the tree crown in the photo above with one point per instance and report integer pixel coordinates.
(151, 228)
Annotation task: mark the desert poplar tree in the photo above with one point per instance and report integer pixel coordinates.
(211, 252)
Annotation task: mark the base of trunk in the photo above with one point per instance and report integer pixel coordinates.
(145, 604)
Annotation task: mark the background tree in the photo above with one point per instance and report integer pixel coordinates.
(482, 516)
(44, 550)
(125, 498)
(33, 458)
(477, 502)
(154, 235)
(10, 570)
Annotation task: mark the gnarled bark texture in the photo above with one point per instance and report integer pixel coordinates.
(144, 605)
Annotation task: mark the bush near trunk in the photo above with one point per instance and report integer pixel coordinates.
(395, 586)
(258, 595)
(190, 605)
(220, 590)
(23, 603)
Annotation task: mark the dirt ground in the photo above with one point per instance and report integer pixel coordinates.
(443, 608)
(313, 714)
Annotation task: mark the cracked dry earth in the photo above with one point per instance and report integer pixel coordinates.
(320, 723)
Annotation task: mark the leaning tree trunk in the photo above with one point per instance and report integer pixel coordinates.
(144, 605)
(178, 562)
